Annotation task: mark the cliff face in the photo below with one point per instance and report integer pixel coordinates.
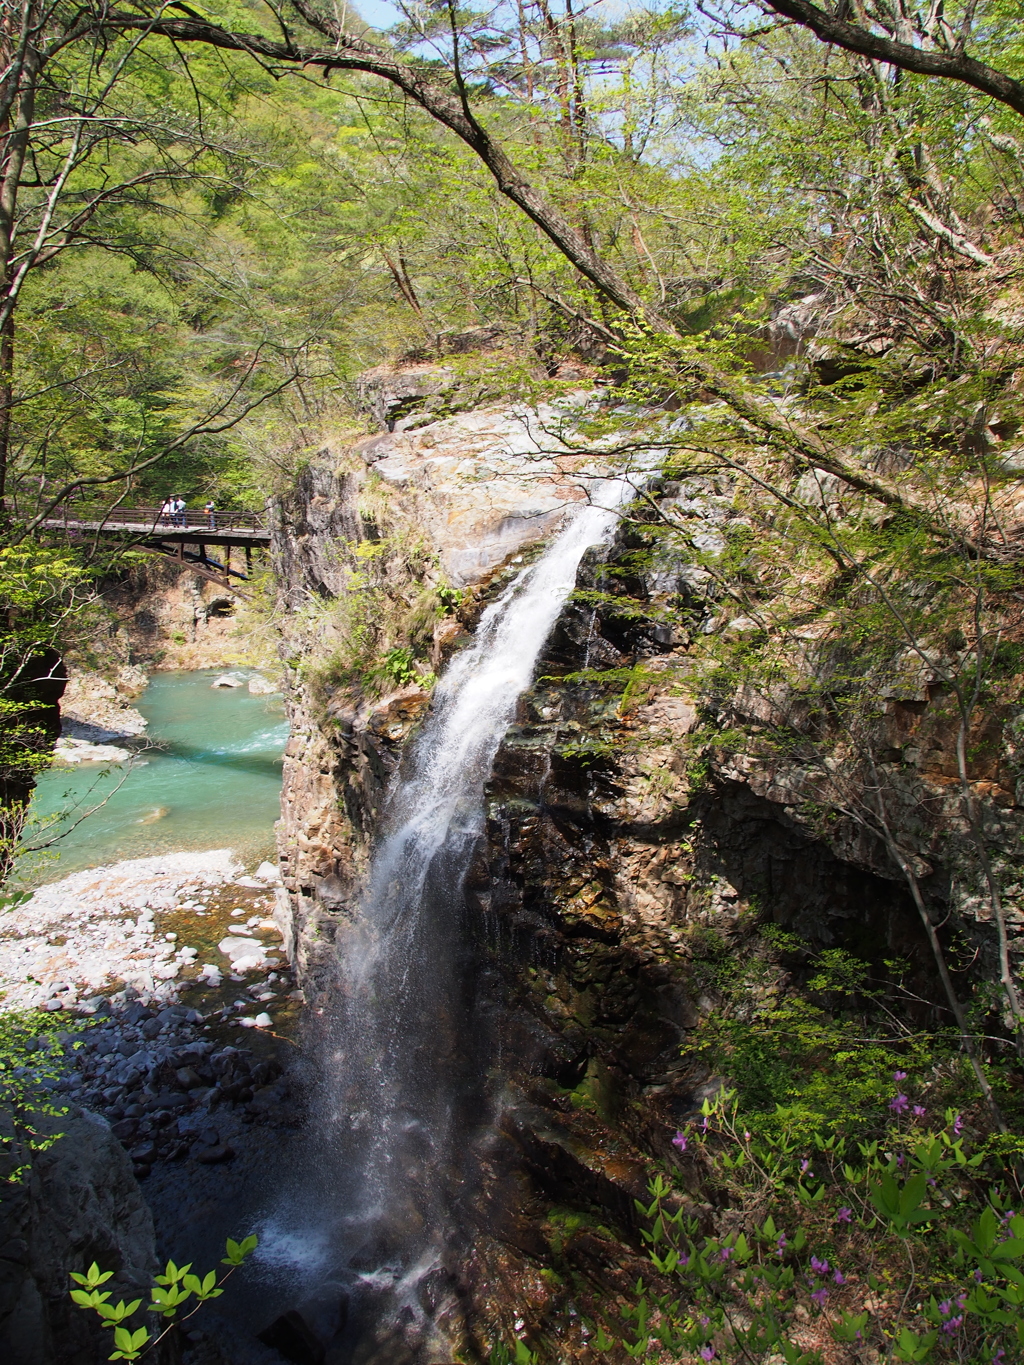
(621, 862)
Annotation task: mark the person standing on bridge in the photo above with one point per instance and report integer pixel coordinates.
(180, 517)
(211, 514)
(167, 511)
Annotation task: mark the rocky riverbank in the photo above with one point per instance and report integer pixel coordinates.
(167, 1021)
(151, 924)
(167, 962)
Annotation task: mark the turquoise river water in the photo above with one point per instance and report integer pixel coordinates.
(209, 778)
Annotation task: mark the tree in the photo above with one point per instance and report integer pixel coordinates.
(923, 39)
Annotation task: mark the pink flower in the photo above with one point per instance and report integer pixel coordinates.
(819, 1267)
(839, 1277)
(952, 1325)
(844, 1215)
(958, 1125)
(919, 1111)
(679, 1141)
(899, 1104)
(707, 1353)
(819, 1296)
(899, 1075)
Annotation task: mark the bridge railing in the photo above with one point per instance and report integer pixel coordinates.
(72, 515)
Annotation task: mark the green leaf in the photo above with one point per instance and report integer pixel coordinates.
(850, 1326)
(93, 1276)
(129, 1343)
(237, 1251)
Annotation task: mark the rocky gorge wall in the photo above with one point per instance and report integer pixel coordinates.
(622, 863)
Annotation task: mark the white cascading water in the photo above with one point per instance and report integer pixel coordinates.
(405, 1057)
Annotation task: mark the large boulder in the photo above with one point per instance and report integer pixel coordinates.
(78, 1202)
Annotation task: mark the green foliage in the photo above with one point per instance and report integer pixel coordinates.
(398, 665)
(874, 1243)
(518, 1354)
(32, 1057)
(168, 1294)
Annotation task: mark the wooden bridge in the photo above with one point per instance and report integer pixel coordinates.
(184, 537)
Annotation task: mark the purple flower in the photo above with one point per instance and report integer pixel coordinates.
(952, 1325)
(900, 1159)
(819, 1296)
(679, 1141)
(804, 1165)
(999, 1357)
(707, 1353)
(704, 1321)
(899, 1075)
(839, 1277)
(746, 1135)
(819, 1267)
(945, 1307)
(844, 1215)
(919, 1111)
(899, 1104)
(725, 1254)
(704, 1125)
(958, 1125)
(978, 1277)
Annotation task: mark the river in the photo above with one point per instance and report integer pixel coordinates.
(208, 776)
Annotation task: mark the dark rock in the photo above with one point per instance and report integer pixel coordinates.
(79, 1203)
(135, 1014)
(143, 1151)
(150, 1028)
(125, 1129)
(134, 1111)
(167, 1099)
(292, 1337)
(211, 1156)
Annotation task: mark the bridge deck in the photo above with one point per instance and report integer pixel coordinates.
(183, 538)
(225, 528)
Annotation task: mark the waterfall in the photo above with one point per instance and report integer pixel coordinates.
(401, 1075)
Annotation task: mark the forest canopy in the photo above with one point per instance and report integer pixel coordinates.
(775, 216)
(206, 239)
